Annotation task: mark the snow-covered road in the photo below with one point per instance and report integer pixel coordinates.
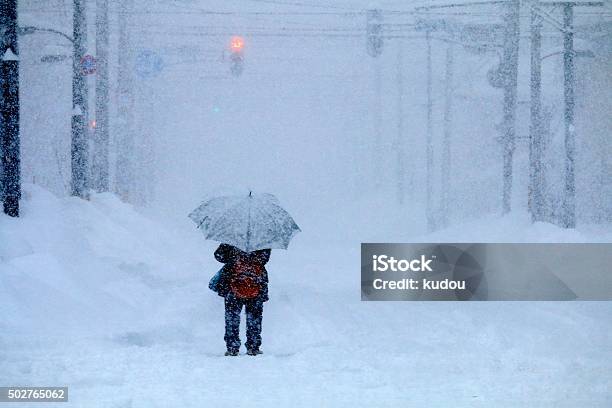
(139, 328)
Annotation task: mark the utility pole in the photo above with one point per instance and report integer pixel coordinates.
(536, 177)
(100, 165)
(124, 179)
(9, 118)
(374, 48)
(568, 210)
(429, 138)
(446, 141)
(79, 144)
(377, 157)
(569, 198)
(399, 143)
(510, 75)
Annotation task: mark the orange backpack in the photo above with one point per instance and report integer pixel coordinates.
(246, 278)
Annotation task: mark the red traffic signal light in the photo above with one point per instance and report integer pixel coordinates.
(237, 55)
(236, 44)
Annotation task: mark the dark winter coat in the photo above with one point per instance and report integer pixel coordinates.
(228, 254)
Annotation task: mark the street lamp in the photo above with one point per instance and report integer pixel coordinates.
(31, 30)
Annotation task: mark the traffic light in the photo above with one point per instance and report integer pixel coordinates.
(374, 39)
(237, 44)
(237, 55)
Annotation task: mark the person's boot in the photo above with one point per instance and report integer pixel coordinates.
(232, 353)
(254, 352)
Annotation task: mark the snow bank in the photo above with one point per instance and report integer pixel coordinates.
(70, 264)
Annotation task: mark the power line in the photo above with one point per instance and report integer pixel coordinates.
(466, 4)
(313, 5)
(256, 34)
(306, 13)
(254, 13)
(283, 29)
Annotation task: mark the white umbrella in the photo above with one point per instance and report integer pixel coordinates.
(249, 222)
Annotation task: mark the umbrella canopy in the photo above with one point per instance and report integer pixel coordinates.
(249, 222)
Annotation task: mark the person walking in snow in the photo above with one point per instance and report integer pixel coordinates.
(243, 281)
(254, 224)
